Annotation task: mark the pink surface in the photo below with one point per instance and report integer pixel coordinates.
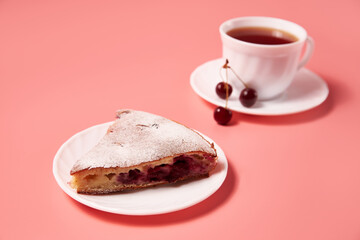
(68, 65)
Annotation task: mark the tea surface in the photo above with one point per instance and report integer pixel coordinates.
(262, 35)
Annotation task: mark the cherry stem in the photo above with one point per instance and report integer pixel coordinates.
(226, 66)
(226, 80)
(246, 86)
(226, 86)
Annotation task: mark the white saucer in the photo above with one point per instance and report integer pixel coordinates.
(307, 91)
(156, 200)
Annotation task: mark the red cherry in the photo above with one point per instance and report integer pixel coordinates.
(222, 115)
(248, 97)
(221, 89)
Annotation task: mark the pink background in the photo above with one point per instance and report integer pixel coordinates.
(68, 65)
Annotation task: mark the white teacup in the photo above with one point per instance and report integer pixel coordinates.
(269, 69)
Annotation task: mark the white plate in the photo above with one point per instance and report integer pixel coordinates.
(307, 91)
(156, 200)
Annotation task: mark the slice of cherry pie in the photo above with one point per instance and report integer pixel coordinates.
(142, 150)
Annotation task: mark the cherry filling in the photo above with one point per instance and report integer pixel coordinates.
(181, 167)
(133, 176)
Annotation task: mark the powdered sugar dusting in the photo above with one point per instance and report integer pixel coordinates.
(136, 137)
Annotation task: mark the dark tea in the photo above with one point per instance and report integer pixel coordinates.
(262, 35)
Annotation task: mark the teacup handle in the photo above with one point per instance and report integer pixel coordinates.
(308, 52)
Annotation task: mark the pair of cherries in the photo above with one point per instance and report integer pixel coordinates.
(248, 97)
